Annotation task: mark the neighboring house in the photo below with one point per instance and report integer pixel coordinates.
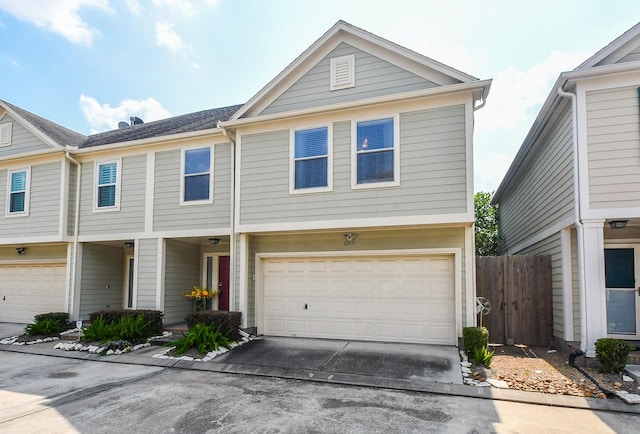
(336, 203)
(573, 192)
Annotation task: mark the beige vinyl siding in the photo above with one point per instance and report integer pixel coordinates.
(370, 240)
(613, 147)
(102, 266)
(147, 266)
(542, 194)
(631, 57)
(182, 272)
(44, 203)
(22, 140)
(551, 246)
(373, 77)
(130, 217)
(53, 252)
(169, 215)
(432, 174)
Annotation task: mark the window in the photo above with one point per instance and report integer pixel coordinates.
(5, 134)
(108, 185)
(311, 161)
(197, 180)
(375, 147)
(18, 202)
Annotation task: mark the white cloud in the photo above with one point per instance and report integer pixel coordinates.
(454, 55)
(167, 37)
(58, 17)
(103, 117)
(183, 6)
(135, 7)
(515, 99)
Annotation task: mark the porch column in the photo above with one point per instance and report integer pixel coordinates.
(594, 283)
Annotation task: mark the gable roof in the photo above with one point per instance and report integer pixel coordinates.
(53, 134)
(340, 32)
(603, 62)
(190, 122)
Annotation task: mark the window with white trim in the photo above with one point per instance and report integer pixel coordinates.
(107, 194)
(18, 191)
(197, 180)
(375, 149)
(311, 165)
(5, 134)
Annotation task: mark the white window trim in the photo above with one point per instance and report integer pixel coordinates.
(96, 178)
(351, 64)
(27, 193)
(292, 161)
(211, 158)
(5, 129)
(396, 153)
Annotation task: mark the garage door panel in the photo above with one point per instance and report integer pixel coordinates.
(387, 298)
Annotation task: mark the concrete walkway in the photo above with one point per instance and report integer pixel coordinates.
(419, 368)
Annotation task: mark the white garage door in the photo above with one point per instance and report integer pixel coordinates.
(395, 299)
(27, 290)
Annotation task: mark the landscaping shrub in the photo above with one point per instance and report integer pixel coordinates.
(474, 338)
(204, 338)
(61, 318)
(483, 356)
(613, 354)
(229, 322)
(153, 317)
(127, 328)
(48, 324)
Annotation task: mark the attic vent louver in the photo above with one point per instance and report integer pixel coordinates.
(342, 72)
(5, 134)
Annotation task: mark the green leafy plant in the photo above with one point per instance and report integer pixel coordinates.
(204, 338)
(46, 327)
(483, 356)
(486, 225)
(229, 322)
(613, 354)
(127, 328)
(474, 338)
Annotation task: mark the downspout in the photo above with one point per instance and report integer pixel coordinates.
(578, 219)
(232, 239)
(76, 231)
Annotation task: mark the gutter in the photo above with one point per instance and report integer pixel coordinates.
(232, 223)
(578, 218)
(76, 232)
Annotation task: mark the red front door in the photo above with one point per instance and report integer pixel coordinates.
(223, 283)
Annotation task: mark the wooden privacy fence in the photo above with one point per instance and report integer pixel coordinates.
(519, 289)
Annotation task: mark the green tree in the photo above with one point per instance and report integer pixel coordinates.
(486, 228)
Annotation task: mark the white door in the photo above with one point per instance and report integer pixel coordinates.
(374, 298)
(622, 292)
(27, 290)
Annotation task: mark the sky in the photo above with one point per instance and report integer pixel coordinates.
(88, 64)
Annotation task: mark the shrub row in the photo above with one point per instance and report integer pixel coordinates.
(61, 318)
(153, 317)
(229, 322)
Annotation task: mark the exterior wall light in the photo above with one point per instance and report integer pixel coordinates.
(21, 251)
(618, 224)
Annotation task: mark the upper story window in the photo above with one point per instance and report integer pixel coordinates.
(197, 180)
(311, 163)
(107, 185)
(18, 194)
(376, 149)
(5, 134)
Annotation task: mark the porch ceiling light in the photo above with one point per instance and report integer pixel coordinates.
(214, 240)
(129, 244)
(618, 224)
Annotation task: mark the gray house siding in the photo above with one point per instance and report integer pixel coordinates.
(373, 77)
(333, 242)
(130, 217)
(543, 193)
(44, 203)
(102, 278)
(432, 174)
(631, 57)
(182, 271)
(169, 215)
(551, 246)
(22, 140)
(613, 134)
(147, 265)
(73, 184)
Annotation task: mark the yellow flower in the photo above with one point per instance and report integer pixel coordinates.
(205, 293)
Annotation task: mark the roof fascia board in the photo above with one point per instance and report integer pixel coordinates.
(479, 89)
(32, 154)
(29, 126)
(611, 48)
(618, 68)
